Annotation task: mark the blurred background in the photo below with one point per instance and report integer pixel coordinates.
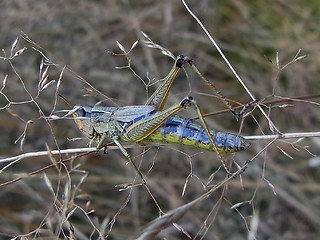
(277, 197)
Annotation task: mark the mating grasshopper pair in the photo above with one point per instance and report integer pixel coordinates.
(150, 123)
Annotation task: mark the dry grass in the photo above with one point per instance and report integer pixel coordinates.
(73, 195)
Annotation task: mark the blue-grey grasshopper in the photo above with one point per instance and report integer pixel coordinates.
(151, 123)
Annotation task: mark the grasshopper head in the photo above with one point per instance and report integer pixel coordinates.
(82, 117)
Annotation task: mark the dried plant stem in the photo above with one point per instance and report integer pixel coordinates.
(173, 216)
(284, 136)
(272, 125)
(92, 149)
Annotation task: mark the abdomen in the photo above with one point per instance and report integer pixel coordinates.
(182, 131)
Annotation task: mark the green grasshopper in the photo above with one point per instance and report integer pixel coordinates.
(150, 123)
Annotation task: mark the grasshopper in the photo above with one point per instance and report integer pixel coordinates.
(151, 123)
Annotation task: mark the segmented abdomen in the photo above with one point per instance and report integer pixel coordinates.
(182, 131)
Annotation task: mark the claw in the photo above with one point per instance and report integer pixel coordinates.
(181, 60)
(187, 101)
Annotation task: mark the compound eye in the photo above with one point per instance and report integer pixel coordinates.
(81, 112)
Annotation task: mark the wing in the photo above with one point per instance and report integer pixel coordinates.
(123, 114)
